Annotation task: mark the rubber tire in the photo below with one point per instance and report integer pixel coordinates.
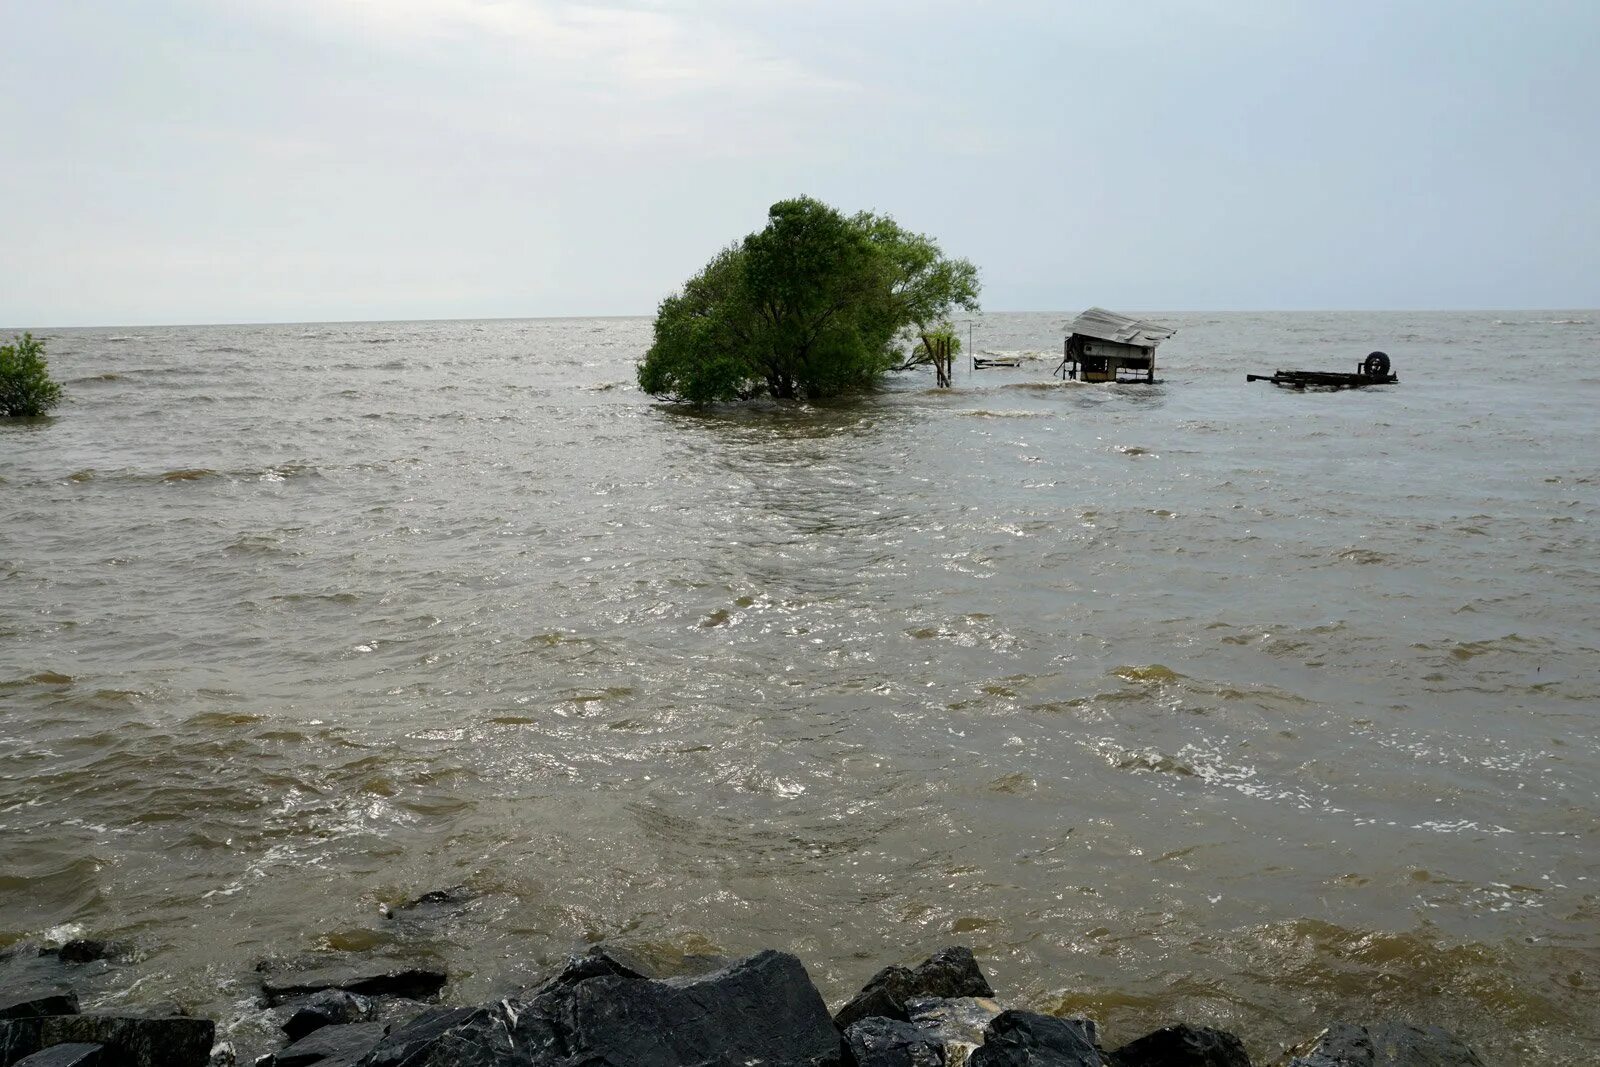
(1376, 365)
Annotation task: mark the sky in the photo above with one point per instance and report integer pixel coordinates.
(188, 161)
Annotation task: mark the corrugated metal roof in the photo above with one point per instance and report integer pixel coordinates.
(1109, 326)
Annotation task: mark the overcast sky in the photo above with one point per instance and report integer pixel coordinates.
(265, 160)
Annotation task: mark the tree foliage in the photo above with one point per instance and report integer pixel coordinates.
(815, 304)
(25, 384)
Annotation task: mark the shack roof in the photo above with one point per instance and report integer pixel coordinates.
(1109, 326)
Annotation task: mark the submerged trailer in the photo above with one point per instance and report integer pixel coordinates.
(1103, 346)
(1374, 370)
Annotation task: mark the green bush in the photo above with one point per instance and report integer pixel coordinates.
(25, 385)
(816, 304)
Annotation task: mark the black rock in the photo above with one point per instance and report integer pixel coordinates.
(417, 983)
(603, 960)
(433, 904)
(328, 1007)
(331, 1046)
(129, 1041)
(442, 1036)
(1384, 1044)
(1027, 1039)
(958, 1023)
(83, 950)
(876, 1001)
(878, 1042)
(1183, 1046)
(23, 1002)
(950, 972)
(761, 1009)
(77, 1054)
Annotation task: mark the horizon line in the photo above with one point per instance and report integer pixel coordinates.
(645, 315)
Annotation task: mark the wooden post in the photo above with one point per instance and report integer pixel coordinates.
(940, 356)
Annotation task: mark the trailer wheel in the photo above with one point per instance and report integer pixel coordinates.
(1376, 365)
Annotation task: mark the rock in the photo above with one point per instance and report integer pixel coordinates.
(417, 983)
(605, 959)
(879, 1042)
(1384, 1044)
(77, 1054)
(128, 1041)
(1027, 1039)
(876, 1001)
(1183, 1046)
(433, 904)
(957, 1022)
(456, 894)
(761, 1009)
(950, 972)
(85, 950)
(328, 1007)
(223, 1055)
(331, 1046)
(434, 1036)
(22, 1002)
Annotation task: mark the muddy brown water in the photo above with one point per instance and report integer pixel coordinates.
(1200, 701)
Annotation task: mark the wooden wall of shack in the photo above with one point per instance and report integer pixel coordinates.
(1097, 359)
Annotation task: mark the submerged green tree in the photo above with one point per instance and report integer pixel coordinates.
(816, 304)
(25, 384)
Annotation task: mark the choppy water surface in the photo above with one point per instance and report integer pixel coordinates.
(1201, 700)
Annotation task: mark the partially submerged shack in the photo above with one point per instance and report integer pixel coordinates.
(1103, 346)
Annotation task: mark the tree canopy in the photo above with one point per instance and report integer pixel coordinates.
(815, 304)
(25, 384)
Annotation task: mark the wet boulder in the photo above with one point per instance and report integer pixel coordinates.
(950, 972)
(415, 983)
(957, 1023)
(880, 1042)
(1383, 1044)
(454, 1037)
(77, 1054)
(760, 1009)
(1027, 1039)
(25, 1001)
(1183, 1046)
(88, 950)
(129, 1041)
(331, 1046)
(603, 960)
(434, 904)
(329, 1007)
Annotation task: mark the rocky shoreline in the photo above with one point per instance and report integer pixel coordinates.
(610, 1008)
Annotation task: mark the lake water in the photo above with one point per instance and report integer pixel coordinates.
(1202, 700)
